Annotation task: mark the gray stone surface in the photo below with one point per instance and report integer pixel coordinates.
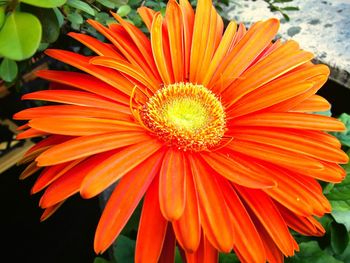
(322, 27)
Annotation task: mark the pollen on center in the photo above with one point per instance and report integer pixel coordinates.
(187, 116)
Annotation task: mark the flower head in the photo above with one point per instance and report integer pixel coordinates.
(215, 129)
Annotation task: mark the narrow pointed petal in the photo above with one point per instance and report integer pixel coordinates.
(157, 47)
(299, 223)
(187, 228)
(69, 111)
(294, 142)
(80, 126)
(200, 36)
(127, 68)
(247, 241)
(188, 21)
(52, 173)
(275, 155)
(221, 51)
(246, 50)
(214, 214)
(141, 42)
(89, 145)
(30, 133)
(109, 76)
(268, 96)
(152, 227)
(147, 16)
(80, 98)
(168, 250)
(269, 216)
(173, 18)
(315, 103)
(236, 172)
(123, 202)
(115, 167)
(31, 169)
(290, 120)
(49, 212)
(172, 185)
(84, 82)
(95, 45)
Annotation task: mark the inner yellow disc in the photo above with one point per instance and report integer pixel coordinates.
(186, 115)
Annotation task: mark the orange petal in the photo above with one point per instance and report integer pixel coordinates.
(89, 145)
(147, 16)
(123, 202)
(141, 42)
(81, 126)
(267, 213)
(84, 82)
(248, 241)
(187, 228)
(290, 120)
(275, 155)
(172, 183)
(313, 104)
(49, 211)
(52, 173)
(69, 183)
(214, 214)
(280, 61)
(157, 41)
(127, 68)
(30, 133)
(173, 18)
(152, 227)
(74, 97)
(236, 172)
(95, 45)
(220, 52)
(200, 36)
(69, 111)
(188, 21)
(267, 96)
(116, 166)
(292, 141)
(299, 223)
(205, 253)
(109, 76)
(250, 46)
(31, 169)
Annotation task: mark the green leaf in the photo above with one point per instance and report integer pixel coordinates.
(59, 16)
(20, 36)
(101, 260)
(342, 217)
(107, 3)
(47, 17)
(228, 258)
(45, 3)
(124, 249)
(339, 238)
(340, 191)
(2, 15)
(124, 10)
(75, 18)
(8, 70)
(81, 6)
(340, 205)
(290, 8)
(311, 252)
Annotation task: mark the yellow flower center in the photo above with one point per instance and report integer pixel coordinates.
(186, 115)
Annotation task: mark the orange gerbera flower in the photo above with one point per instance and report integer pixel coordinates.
(215, 129)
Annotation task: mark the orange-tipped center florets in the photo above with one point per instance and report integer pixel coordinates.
(186, 115)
